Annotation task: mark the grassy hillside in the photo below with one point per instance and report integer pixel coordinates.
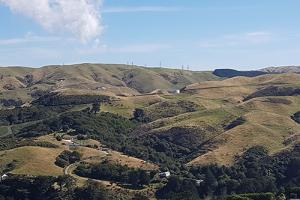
(283, 69)
(40, 161)
(267, 114)
(25, 83)
(209, 122)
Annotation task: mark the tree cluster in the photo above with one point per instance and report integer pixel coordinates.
(56, 99)
(48, 188)
(66, 158)
(256, 175)
(116, 173)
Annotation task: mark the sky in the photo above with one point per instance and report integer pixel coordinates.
(199, 34)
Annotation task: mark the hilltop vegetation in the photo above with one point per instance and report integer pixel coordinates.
(229, 73)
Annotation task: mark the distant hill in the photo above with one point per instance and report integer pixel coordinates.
(110, 79)
(283, 69)
(230, 73)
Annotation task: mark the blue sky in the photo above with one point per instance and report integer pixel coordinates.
(201, 34)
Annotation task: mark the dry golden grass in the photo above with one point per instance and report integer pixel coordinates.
(33, 160)
(86, 152)
(268, 122)
(40, 161)
(120, 80)
(280, 79)
(118, 158)
(232, 94)
(125, 106)
(262, 128)
(235, 89)
(289, 105)
(11, 81)
(268, 118)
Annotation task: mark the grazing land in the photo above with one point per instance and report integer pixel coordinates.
(124, 127)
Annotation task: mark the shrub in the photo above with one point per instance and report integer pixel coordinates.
(58, 138)
(67, 157)
(239, 121)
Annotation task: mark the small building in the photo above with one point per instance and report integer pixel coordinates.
(174, 91)
(67, 141)
(105, 149)
(198, 181)
(74, 145)
(165, 174)
(3, 177)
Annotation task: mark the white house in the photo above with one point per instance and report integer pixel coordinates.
(198, 181)
(165, 174)
(3, 177)
(67, 141)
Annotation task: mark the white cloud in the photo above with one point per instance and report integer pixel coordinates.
(244, 39)
(140, 9)
(79, 17)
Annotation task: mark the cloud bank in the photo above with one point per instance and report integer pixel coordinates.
(79, 17)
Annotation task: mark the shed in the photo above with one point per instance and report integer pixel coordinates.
(165, 174)
(3, 177)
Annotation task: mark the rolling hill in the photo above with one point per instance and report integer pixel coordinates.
(124, 120)
(283, 69)
(25, 83)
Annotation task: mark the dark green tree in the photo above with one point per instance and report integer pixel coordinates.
(96, 107)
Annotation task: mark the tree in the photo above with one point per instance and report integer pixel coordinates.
(178, 188)
(96, 107)
(58, 138)
(140, 197)
(293, 169)
(210, 179)
(42, 188)
(66, 185)
(12, 119)
(134, 178)
(91, 191)
(139, 115)
(144, 177)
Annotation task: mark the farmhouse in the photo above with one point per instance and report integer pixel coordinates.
(3, 177)
(198, 181)
(174, 91)
(165, 174)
